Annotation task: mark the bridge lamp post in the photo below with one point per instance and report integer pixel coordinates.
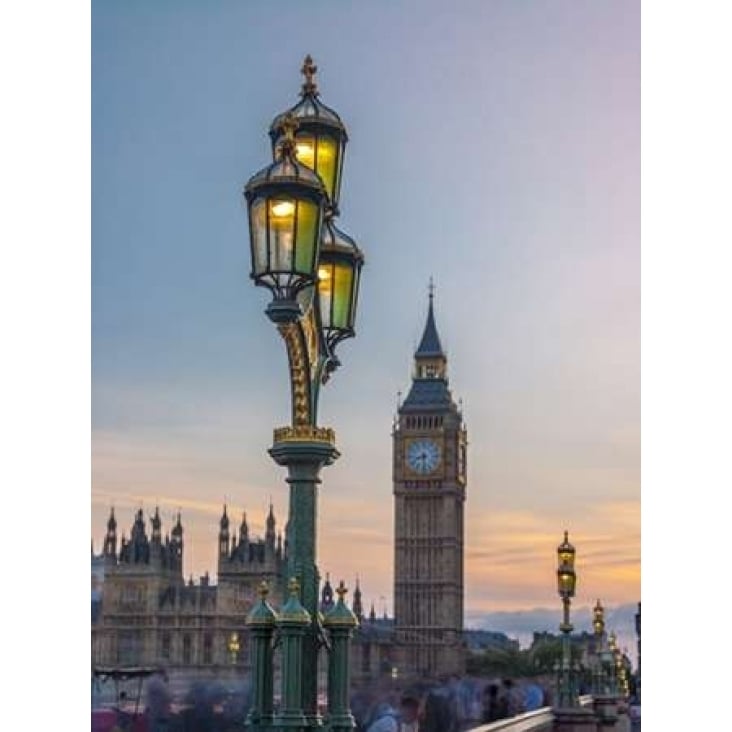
(598, 626)
(312, 270)
(566, 585)
(233, 646)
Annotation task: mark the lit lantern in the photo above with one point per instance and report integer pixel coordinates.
(285, 202)
(339, 271)
(598, 619)
(320, 140)
(566, 577)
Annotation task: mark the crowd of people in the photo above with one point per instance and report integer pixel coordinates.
(450, 705)
(454, 705)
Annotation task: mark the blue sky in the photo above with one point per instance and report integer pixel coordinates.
(494, 146)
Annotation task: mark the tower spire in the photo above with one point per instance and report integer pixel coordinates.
(430, 360)
(430, 345)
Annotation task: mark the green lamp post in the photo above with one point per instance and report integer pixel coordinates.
(598, 626)
(604, 701)
(566, 584)
(312, 270)
(611, 664)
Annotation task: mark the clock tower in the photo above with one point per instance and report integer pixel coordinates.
(429, 468)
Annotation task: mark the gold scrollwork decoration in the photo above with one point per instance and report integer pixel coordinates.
(305, 433)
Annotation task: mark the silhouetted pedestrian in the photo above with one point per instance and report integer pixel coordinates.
(492, 710)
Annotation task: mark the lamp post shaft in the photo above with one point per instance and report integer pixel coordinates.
(304, 454)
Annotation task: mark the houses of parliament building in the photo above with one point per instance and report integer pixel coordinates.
(145, 613)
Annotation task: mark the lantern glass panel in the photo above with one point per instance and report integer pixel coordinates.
(327, 154)
(335, 281)
(305, 150)
(343, 284)
(281, 233)
(258, 223)
(320, 153)
(308, 234)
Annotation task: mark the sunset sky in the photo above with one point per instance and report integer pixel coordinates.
(494, 146)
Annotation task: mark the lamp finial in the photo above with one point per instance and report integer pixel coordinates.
(308, 70)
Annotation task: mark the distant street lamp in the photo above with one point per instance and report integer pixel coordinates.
(233, 646)
(604, 699)
(612, 663)
(566, 585)
(598, 626)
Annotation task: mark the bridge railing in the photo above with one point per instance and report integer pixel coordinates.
(536, 721)
(540, 719)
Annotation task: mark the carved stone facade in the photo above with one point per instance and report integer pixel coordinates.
(430, 445)
(150, 616)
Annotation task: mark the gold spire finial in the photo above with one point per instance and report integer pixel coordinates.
(263, 589)
(293, 586)
(341, 590)
(308, 70)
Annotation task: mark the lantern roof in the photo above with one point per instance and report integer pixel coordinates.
(309, 109)
(285, 170)
(565, 546)
(334, 239)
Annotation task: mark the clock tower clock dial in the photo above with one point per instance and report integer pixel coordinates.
(423, 456)
(430, 448)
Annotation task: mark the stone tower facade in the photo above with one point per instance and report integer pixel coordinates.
(429, 471)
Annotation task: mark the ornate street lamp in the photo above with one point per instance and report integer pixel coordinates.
(320, 142)
(285, 201)
(339, 273)
(566, 584)
(313, 271)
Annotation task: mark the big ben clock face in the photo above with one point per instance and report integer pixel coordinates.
(423, 456)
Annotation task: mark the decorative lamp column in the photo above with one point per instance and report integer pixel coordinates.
(605, 703)
(292, 623)
(261, 622)
(234, 647)
(598, 626)
(566, 584)
(313, 273)
(340, 623)
(613, 651)
(569, 716)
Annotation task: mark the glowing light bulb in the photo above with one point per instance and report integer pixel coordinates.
(305, 153)
(283, 208)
